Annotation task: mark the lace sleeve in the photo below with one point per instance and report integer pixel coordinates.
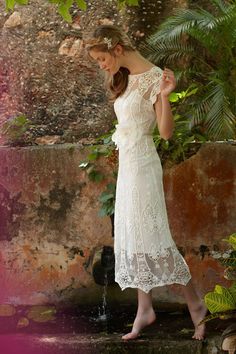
(155, 86)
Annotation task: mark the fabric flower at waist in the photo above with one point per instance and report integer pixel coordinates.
(126, 135)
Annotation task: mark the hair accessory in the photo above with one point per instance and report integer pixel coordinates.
(108, 42)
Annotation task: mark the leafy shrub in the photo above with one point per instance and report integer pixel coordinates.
(180, 146)
(203, 45)
(222, 301)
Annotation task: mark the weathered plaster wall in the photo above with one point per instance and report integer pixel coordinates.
(50, 231)
(49, 223)
(201, 203)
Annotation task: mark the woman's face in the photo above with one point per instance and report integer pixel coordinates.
(106, 61)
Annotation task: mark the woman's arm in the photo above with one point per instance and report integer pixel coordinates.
(165, 121)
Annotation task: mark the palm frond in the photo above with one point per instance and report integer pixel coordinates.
(168, 51)
(207, 42)
(181, 23)
(186, 19)
(234, 33)
(213, 110)
(184, 74)
(227, 17)
(199, 111)
(206, 39)
(220, 120)
(221, 5)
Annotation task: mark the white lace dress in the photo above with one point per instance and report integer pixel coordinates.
(145, 253)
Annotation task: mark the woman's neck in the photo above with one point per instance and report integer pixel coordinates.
(135, 62)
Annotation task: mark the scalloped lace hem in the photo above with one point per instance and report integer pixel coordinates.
(146, 289)
(158, 267)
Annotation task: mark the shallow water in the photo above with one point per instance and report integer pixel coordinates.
(79, 320)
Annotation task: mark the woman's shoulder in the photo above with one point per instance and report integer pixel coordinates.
(156, 70)
(154, 74)
(153, 70)
(148, 81)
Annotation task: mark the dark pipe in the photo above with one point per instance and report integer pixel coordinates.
(108, 257)
(112, 217)
(104, 269)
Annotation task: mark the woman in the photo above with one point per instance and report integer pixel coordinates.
(146, 255)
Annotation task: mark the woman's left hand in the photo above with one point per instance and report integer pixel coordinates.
(168, 82)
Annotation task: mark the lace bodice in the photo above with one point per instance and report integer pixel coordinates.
(134, 109)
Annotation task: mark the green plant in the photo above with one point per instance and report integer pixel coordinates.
(180, 146)
(106, 148)
(203, 46)
(107, 200)
(222, 301)
(16, 130)
(64, 6)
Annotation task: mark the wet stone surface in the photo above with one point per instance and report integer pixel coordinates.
(41, 330)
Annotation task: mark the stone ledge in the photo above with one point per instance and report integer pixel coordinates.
(91, 344)
(78, 331)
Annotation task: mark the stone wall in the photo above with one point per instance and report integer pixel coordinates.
(46, 76)
(50, 231)
(45, 73)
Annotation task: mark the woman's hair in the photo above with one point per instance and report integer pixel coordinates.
(104, 39)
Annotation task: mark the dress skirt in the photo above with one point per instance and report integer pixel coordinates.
(146, 255)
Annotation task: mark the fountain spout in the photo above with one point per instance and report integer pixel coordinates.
(104, 266)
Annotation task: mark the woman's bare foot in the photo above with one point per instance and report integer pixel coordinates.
(197, 316)
(143, 319)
